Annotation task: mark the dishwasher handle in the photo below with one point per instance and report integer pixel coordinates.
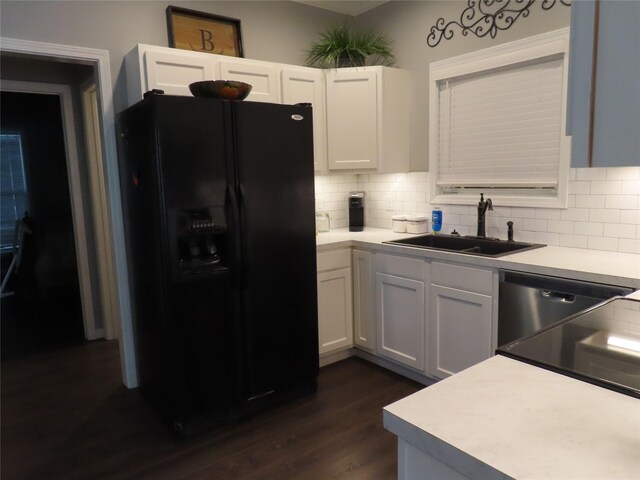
(557, 296)
(578, 288)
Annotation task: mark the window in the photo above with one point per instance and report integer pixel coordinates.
(13, 187)
(497, 121)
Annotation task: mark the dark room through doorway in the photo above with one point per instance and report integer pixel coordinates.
(41, 304)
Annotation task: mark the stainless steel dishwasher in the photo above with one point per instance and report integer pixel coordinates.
(529, 302)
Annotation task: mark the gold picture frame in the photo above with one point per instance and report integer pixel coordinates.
(203, 32)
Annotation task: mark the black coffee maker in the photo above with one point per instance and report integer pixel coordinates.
(356, 211)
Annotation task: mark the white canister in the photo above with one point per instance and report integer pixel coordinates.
(417, 224)
(322, 222)
(399, 223)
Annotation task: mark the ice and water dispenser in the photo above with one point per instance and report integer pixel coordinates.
(200, 240)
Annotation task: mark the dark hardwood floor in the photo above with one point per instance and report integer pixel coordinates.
(32, 324)
(65, 415)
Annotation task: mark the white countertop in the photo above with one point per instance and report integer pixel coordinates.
(504, 417)
(634, 295)
(612, 268)
(524, 422)
(337, 237)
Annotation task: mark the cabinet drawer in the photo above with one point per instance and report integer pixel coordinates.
(334, 259)
(472, 279)
(406, 267)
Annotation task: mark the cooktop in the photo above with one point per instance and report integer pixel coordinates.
(600, 345)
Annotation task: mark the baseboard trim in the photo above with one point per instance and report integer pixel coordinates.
(405, 372)
(333, 357)
(329, 358)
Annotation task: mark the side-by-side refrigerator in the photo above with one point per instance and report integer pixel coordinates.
(218, 198)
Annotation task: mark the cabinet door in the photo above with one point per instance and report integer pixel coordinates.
(335, 321)
(460, 336)
(307, 86)
(352, 119)
(263, 78)
(363, 300)
(173, 72)
(401, 319)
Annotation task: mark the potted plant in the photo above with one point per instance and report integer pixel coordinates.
(345, 46)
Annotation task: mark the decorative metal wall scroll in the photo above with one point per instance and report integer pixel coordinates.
(486, 17)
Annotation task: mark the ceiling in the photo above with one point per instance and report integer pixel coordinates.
(348, 7)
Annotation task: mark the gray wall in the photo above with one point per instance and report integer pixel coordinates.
(273, 31)
(407, 23)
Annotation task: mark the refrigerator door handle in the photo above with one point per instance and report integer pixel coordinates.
(240, 195)
(241, 231)
(233, 203)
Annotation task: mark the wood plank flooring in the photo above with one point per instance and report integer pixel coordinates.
(65, 415)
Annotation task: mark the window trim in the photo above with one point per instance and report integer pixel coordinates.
(532, 48)
(5, 247)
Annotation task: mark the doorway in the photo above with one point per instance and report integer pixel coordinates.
(119, 297)
(41, 304)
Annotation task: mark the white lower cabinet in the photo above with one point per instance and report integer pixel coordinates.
(364, 303)
(461, 317)
(428, 318)
(335, 318)
(400, 302)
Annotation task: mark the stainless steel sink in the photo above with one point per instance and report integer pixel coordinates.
(482, 246)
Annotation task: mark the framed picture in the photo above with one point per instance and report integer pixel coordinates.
(203, 32)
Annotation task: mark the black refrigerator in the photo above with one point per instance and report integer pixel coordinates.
(218, 201)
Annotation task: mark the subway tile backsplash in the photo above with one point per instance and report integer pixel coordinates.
(603, 213)
(331, 197)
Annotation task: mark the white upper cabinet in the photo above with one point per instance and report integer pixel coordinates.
(368, 119)
(360, 115)
(263, 76)
(306, 85)
(166, 69)
(352, 116)
(172, 70)
(604, 91)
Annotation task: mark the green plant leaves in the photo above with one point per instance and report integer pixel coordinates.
(344, 46)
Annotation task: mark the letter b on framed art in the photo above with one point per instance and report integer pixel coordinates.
(203, 32)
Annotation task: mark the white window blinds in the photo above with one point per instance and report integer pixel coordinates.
(502, 127)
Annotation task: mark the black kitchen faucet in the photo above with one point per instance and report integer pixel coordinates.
(482, 208)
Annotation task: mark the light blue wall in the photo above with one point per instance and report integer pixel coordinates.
(617, 107)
